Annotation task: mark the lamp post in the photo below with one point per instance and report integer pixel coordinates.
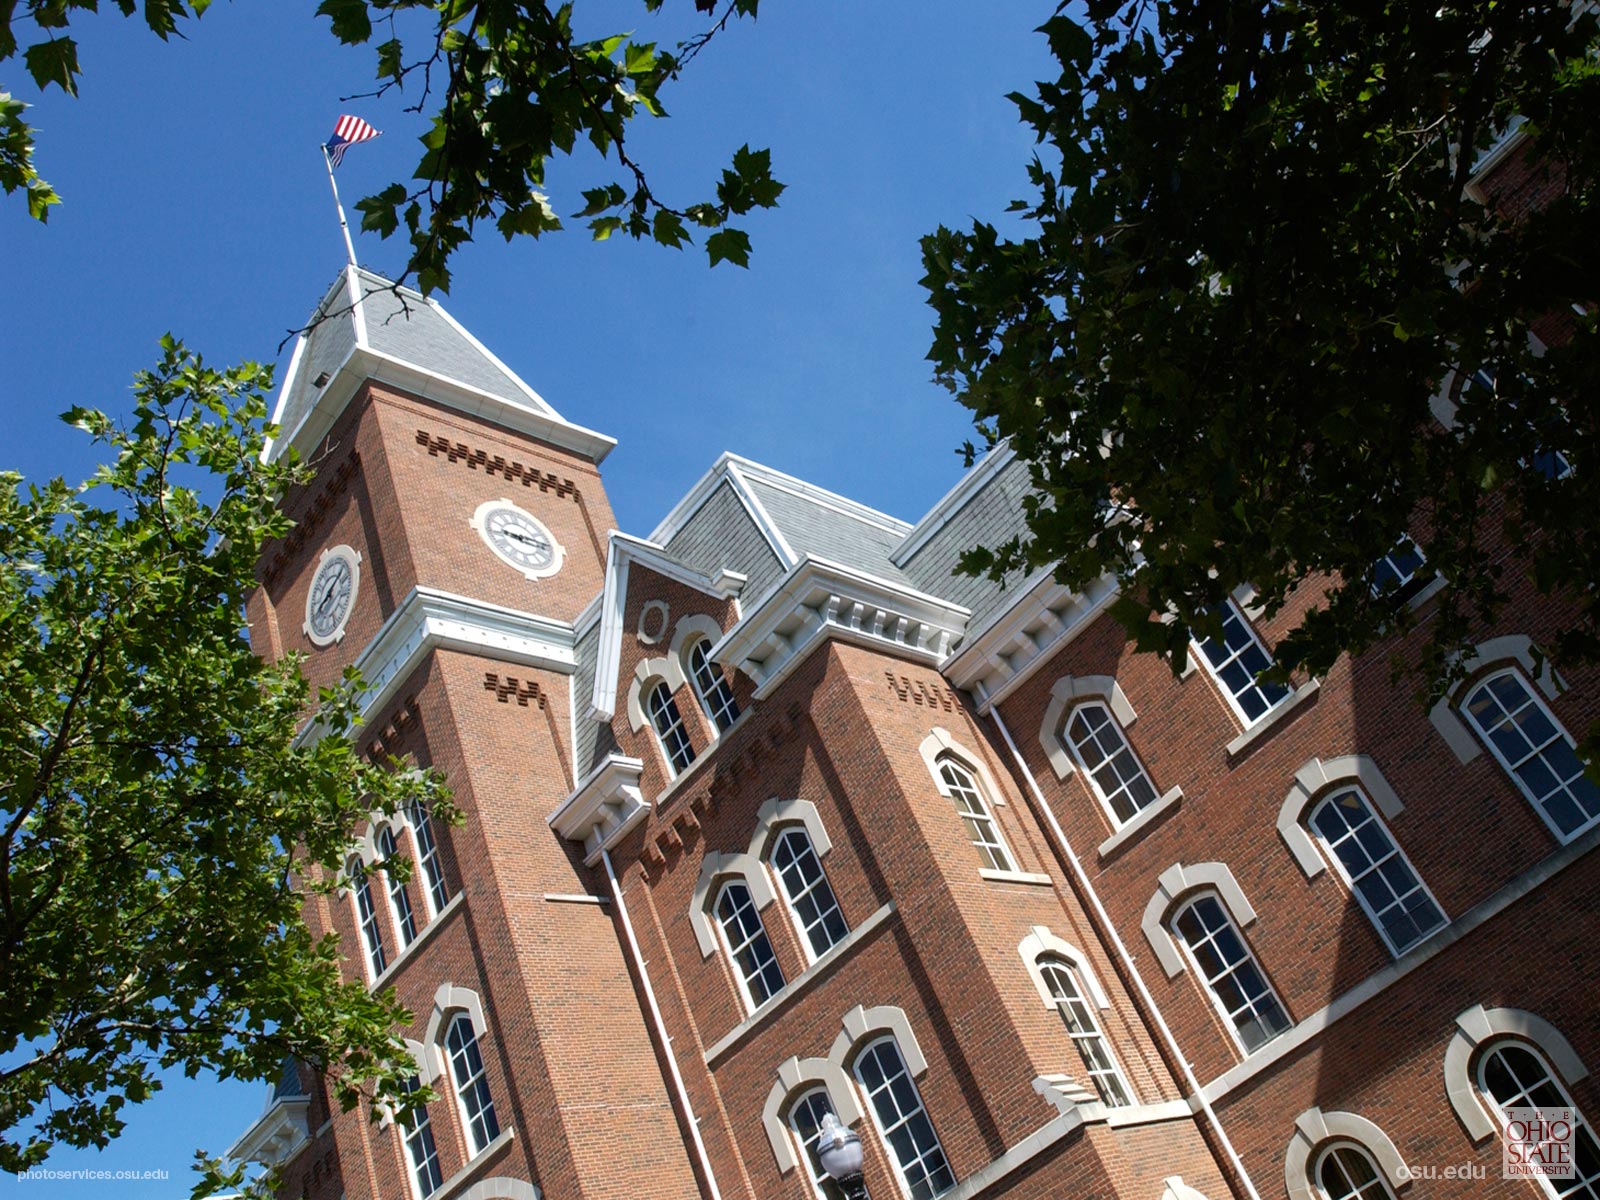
(839, 1149)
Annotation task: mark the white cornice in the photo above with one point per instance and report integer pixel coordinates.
(276, 1135)
(603, 807)
(819, 599)
(1017, 640)
(953, 501)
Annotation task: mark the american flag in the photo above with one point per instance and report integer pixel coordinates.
(347, 133)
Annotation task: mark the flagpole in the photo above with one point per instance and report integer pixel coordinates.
(344, 228)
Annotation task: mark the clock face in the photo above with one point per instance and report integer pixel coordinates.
(332, 595)
(519, 538)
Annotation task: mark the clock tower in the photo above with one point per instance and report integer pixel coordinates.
(455, 528)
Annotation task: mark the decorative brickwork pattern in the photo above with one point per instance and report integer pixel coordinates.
(919, 691)
(495, 464)
(510, 687)
(316, 511)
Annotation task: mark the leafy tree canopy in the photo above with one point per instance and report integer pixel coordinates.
(1250, 266)
(160, 825)
(506, 85)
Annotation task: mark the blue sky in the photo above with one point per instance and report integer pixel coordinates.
(196, 202)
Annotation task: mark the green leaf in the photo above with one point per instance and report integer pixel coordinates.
(669, 231)
(352, 24)
(729, 245)
(55, 61)
(389, 61)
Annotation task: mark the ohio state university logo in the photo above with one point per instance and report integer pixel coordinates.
(1539, 1142)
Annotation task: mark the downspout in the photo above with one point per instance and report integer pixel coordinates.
(1104, 919)
(659, 1027)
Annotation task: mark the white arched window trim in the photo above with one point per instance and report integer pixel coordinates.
(797, 1075)
(1313, 1129)
(1041, 943)
(1174, 885)
(1314, 779)
(1478, 1025)
(668, 670)
(939, 743)
(448, 1000)
(1513, 648)
(1068, 692)
(713, 869)
(775, 813)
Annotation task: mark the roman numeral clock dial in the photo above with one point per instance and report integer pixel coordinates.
(518, 538)
(332, 595)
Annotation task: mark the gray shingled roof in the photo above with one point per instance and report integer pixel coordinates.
(721, 536)
(822, 531)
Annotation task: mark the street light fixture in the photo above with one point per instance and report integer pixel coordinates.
(839, 1149)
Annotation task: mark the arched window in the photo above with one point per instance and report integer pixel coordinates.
(1078, 1016)
(1346, 1172)
(1384, 882)
(1514, 1075)
(963, 791)
(1114, 771)
(1401, 573)
(428, 855)
(399, 903)
(902, 1121)
(805, 1122)
(749, 948)
(805, 887)
(471, 1085)
(367, 919)
(1235, 980)
(1535, 750)
(420, 1148)
(1234, 662)
(669, 728)
(716, 697)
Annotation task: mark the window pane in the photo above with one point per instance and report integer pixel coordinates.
(747, 943)
(712, 687)
(980, 827)
(367, 918)
(1114, 772)
(805, 1119)
(806, 888)
(1535, 751)
(669, 728)
(1514, 1076)
(1062, 982)
(1384, 883)
(1230, 972)
(1235, 661)
(420, 1147)
(472, 1084)
(902, 1121)
(405, 920)
(428, 855)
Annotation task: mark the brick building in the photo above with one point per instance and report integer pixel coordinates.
(769, 815)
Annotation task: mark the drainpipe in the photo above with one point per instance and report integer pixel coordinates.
(659, 1026)
(1104, 920)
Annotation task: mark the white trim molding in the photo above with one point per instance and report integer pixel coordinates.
(776, 813)
(939, 743)
(1518, 648)
(1041, 943)
(860, 1023)
(1479, 1025)
(694, 623)
(1314, 1128)
(793, 1075)
(1175, 883)
(501, 1187)
(447, 1001)
(967, 488)
(1316, 777)
(717, 866)
(606, 804)
(1065, 695)
(668, 670)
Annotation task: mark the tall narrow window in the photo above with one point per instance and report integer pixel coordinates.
(1235, 661)
(902, 1121)
(472, 1084)
(420, 1148)
(1400, 573)
(712, 687)
(1384, 882)
(669, 728)
(806, 889)
(974, 812)
(367, 918)
(399, 903)
(1536, 751)
(1514, 1076)
(428, 855)
(1236, 983)
(805, 1122)
(1346, 1172)
(1115, 773)
(748, 945)
(1062, 981)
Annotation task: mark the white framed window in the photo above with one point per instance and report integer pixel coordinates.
(805, 1122)
(405, 921)
(716, 696)
(423, 1153)
(749, 948)
(1535, 751)
(1078, 1016)
(982, 832)
(437, 891)
(1233, 978)
(1115, 774)
(805, 887)
(367, 919)
(1512, 1074)
(1235, 660)
(668, 723)
(902, 1121)
(1400, 573)
(471, 1085)
(1384, 882)
(1345, 1171)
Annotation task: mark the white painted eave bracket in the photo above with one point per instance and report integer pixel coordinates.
(819, 599)
(276, 1135)
(603, 807)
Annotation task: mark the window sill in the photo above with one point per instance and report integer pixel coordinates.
(1029, 877)
(1427, 592)
(422, 939)
(798, 986)
(1141, 821)
(474, 1164)
(1273, 717)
